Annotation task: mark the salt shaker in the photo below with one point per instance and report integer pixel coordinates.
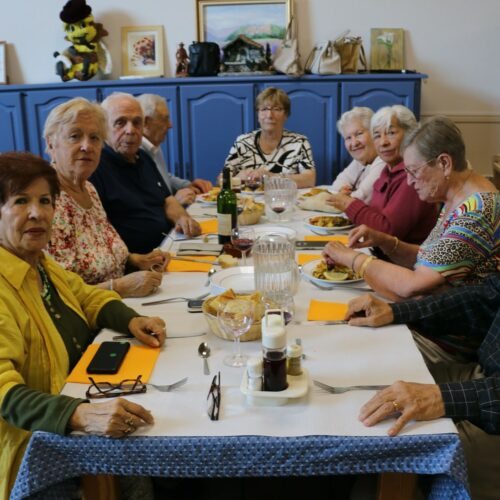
(294, 355)
(254, 374)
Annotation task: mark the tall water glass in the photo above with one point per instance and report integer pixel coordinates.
(280, 195)
(276, 273)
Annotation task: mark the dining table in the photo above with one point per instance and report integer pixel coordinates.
(316, 434)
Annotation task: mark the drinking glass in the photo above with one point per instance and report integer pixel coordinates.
(280, 194)
(243, 238)
(235, 318)
(253, 184)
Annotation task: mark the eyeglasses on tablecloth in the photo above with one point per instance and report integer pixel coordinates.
(213, 398)
(98, 390)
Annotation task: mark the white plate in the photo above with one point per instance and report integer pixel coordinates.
(297, 387)
(240, 279)
(288, 232)
(200, 199)
(307, 270)
(326, 230)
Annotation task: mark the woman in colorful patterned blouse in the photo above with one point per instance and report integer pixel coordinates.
(272, 149)
(463, 247)
(83, 240)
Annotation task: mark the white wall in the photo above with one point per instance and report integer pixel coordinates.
(456, 42)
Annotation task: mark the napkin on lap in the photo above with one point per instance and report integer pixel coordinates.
(326, 311)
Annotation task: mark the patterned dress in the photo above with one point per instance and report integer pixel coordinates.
(292, 156)
(465, 246)
(83, 240)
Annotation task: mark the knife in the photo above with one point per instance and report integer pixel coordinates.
(201, 261)
(322, 323)
(128, 337)
(341, 390)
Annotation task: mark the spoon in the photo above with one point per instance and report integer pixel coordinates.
(204, 352)
(209, 275)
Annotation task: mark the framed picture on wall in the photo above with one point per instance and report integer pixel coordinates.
(3, 63)
(263, 21)
(142, 50)
(387, 49)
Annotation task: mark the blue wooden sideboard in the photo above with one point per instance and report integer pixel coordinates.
(208, 113)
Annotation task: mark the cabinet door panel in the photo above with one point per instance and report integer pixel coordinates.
(40, 103)
(314, 108)
(171, 146)
(375, 95)
(12, 137)
(212, 117)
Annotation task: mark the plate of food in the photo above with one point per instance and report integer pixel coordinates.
(319, 272)
(209, 198)
(328, 224)
(314, 192)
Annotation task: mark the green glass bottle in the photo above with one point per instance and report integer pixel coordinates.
(227, 208)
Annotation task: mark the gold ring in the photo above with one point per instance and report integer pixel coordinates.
(397, 409)
(129, 422)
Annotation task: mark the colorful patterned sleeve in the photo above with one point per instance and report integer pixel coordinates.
(465, 247)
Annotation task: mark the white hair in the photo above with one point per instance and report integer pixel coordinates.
(382, 118)
(359, 113)
(150, 102)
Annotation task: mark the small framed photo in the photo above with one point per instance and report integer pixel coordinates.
(261, 21)
(142, 50)
(387, 49)
(3, 63)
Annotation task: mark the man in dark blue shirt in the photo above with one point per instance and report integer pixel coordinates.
(133, 193)
(466, 392)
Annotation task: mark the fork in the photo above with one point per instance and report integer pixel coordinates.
(344, 287)
(175, 299)
(341, 390)
(169, 387)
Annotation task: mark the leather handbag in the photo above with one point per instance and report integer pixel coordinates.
(352, 53)
(204, 59)
(287, 57)
(323, 60)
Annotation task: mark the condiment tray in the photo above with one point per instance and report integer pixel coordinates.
(298, 386)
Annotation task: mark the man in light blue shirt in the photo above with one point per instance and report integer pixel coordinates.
(157, 122)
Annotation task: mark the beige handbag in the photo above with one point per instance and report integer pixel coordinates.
(352, 53)
(287, 57)
(323, 60)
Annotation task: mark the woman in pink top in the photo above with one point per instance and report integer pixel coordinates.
(395, 207)
(83, 240)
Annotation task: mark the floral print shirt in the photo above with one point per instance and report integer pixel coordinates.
(84, 241)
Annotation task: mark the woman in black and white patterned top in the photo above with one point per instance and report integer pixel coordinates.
(272, 149)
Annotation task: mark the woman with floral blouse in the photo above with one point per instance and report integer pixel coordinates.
(83, 240)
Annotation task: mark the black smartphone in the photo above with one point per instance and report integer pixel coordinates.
(310, 245)
(108, 358)
(194, 306)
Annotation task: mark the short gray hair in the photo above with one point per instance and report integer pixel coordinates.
(68, 111)
(149, 103)
(106, 103)
(435, 136)
(405, 117)
(359, 113)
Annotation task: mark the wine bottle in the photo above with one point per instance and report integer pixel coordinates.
(227, 209)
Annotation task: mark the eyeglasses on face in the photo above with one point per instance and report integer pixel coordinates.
(98, 390)
(269, 109)
(213, 398)
(413, 172)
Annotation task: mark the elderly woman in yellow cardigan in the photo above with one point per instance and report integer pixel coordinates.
(48, 316)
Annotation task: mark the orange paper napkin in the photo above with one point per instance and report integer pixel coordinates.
(343, 238)
(140, 360)
(326, 311)
(304, 258)
(209, 226)
(183, 266)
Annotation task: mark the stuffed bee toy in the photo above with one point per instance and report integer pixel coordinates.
(87, 57)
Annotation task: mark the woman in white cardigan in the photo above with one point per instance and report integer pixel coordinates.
(358, 177)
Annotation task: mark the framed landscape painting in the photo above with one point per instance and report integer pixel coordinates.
(387, 49)
(142, 50)
(263, 21)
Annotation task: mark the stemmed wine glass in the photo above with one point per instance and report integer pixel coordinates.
(278, 203)
(253, 183)
(236, 318)
(243, 238)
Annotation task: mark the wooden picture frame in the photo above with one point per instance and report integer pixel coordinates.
(221, 21)
(3, 63)
(142, 51)
(387, 49)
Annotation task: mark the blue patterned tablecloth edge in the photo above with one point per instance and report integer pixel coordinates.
(69, 457)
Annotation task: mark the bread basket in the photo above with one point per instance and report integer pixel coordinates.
(251, 214)
(253, 334)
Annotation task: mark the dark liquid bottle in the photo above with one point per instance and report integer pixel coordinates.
(227, 208)
(274, 370)
(274, 351)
